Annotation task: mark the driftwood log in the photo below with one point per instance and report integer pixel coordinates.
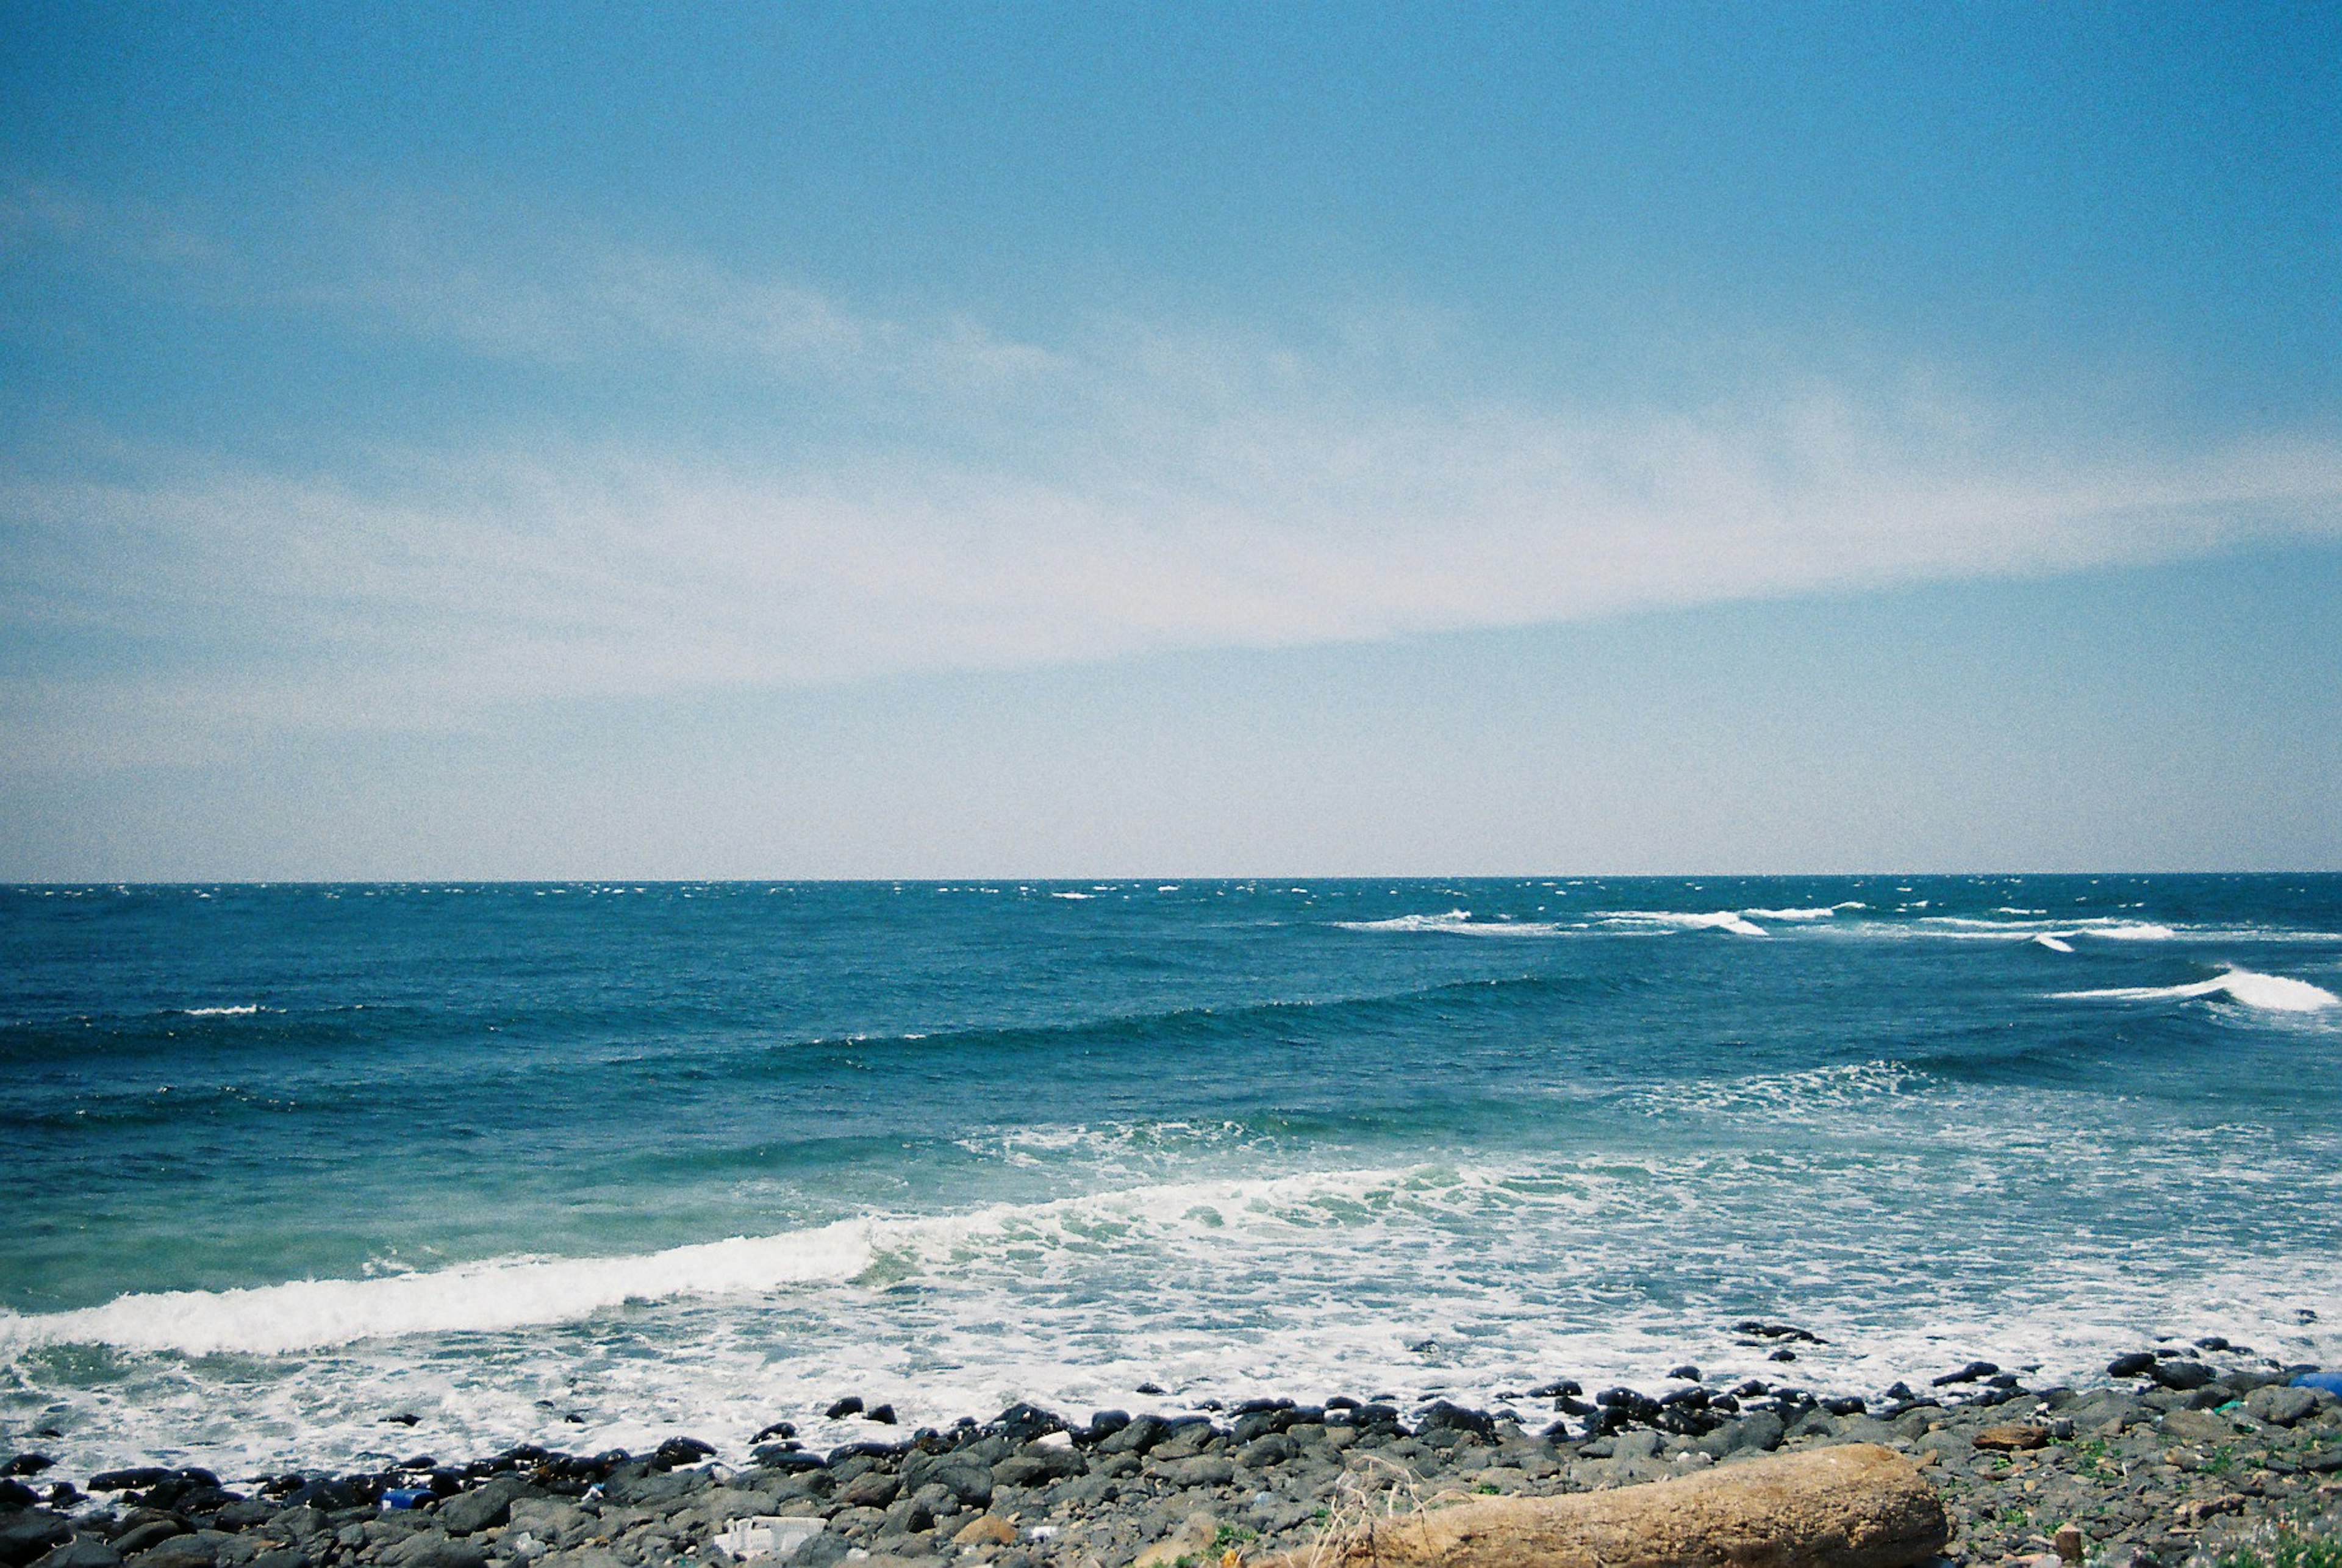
(1856, 1506)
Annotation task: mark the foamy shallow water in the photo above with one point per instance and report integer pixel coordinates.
(588, 1168)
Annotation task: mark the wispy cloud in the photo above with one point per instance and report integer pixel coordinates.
(1128, 487)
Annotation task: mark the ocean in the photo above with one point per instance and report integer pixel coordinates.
(588, 1164)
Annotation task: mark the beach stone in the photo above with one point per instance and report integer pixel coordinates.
(2276, 1406)
(2012, 1439)
(2180, 1375)
(1201, 1471)
(1760, 1430)
(434, 1549)
(1038, 1467)
(81, 1551)
(969, 1481)
(488, 1504)
(31, 1535)
(2198, 1427)
(195, 1549)
(871, 1489)
(909, 1516)
(986, 1529)
(551, 1520)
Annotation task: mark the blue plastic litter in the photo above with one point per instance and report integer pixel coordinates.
(2331, 1382)
(405, 1496)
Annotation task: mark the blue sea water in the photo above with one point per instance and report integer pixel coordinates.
(588, 1164)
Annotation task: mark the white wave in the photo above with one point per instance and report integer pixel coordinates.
(244, 1011)
(2055, 943)
(1456, 921)
(499, 1294)
(1714, 920)
(1073, 895)
(2270, 993)
(2128, 931)
(1797, 913)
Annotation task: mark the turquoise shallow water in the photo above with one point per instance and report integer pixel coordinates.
(583, 1163)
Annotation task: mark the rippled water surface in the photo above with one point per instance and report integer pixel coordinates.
(585, 1163)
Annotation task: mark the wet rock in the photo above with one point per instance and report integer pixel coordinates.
(909, 1516)
(965, 1479)
(131, 1480)
(16, 1495)
(1442, 1414)
(1974, 1371)
(2180, 1375)
(840, 1409)
(883, 1414)
(680, 1451)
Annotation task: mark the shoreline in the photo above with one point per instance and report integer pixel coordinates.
(2184, 1452)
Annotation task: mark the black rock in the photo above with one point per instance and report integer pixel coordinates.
(778, 1429)
(127, 1480)
(2005, 1379)
(27, 1464)
(2212, 1342)
(772, 1456)
(1341, 1401)
(1443, 1414)
(30, 1536)
(1021, 1423)
(2182, 1376)
(840, 1409)
(1686, 1371)
(2137, 1363)
(677, 1452)
(1849, 1405)
(1782, 1355)
(1105, 1424)
(1148, 1388)
(883, 1414)
(14, 1493)
(1776, 1331)
(1968, 1374)
(404, 1418)
(1261, 1406)
(81, 1551)
(1897, 1391)
(1559, 1388)
(1752, 1389)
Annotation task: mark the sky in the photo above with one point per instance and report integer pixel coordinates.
(458, 441)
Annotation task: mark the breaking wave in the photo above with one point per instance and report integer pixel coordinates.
(2269, 993)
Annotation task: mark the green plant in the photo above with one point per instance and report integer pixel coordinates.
(1233, 1536)
(2286, 1549)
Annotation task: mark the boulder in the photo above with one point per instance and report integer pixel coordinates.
(1856, 1506)
(2279, 1405)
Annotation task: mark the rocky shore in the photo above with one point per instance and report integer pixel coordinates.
(2182, 1455)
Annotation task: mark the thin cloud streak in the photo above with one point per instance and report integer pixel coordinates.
(1139, 489)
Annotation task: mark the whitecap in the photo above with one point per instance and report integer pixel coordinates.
(2053, 943)
(244, 1011)
(1457, 922)
(2269, 993)
(1713, 920)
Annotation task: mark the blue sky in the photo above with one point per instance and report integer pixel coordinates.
(675, 441)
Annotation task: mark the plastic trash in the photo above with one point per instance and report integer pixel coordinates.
(407, 1496)
(2330, 1382)
(767, 1535)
